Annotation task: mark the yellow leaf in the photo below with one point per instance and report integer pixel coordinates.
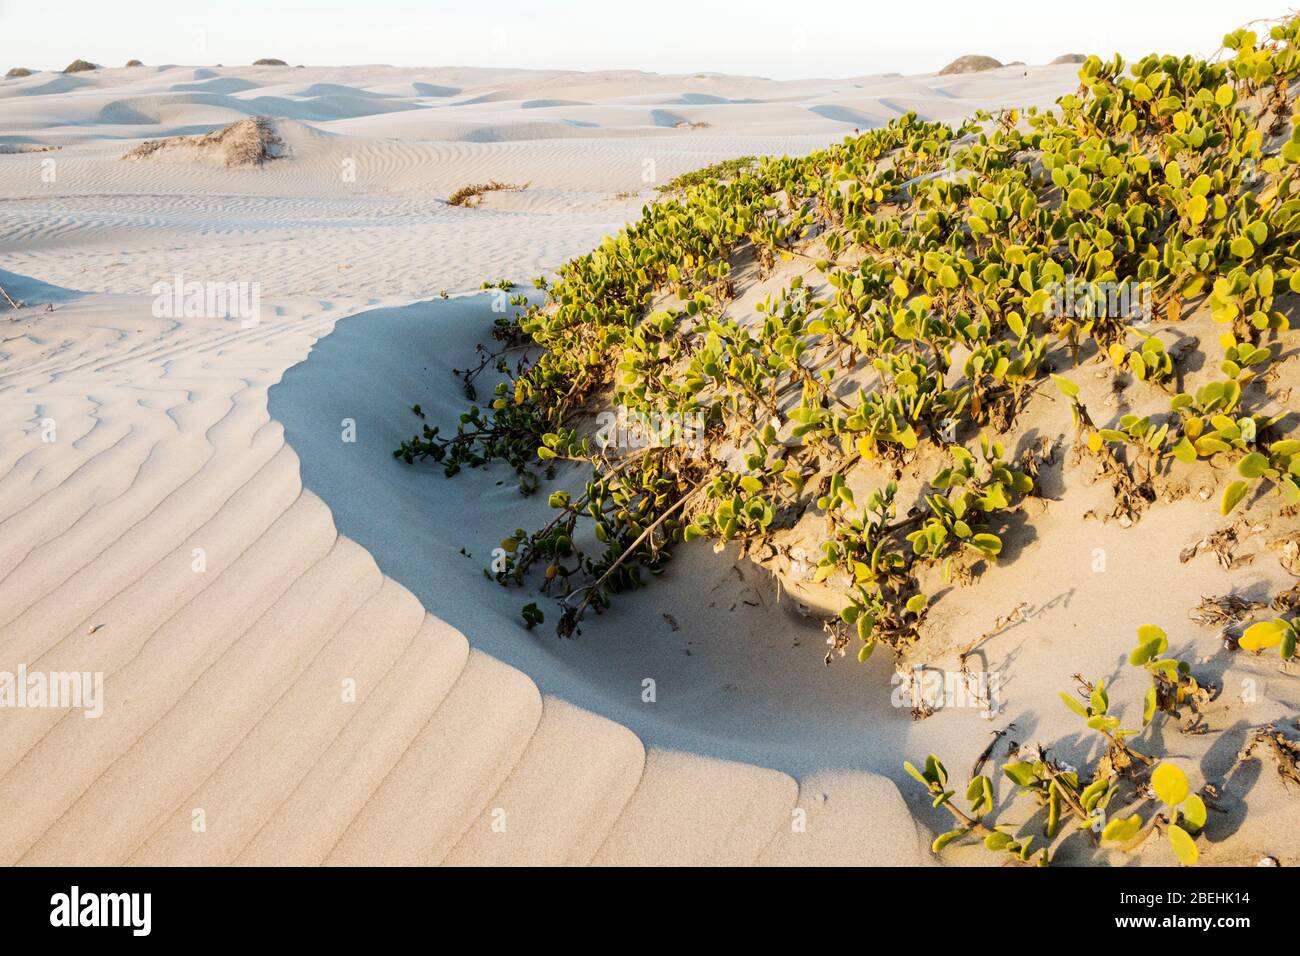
(1170, 784)
(1262, 635)
(1122, 829)
(1183, 845)
(1194, 812)
(1149, 632)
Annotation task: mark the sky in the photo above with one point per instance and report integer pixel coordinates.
(785, 39)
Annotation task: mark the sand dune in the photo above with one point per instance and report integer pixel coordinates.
(301, 664)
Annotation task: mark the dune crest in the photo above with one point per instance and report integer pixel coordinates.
(971, 63)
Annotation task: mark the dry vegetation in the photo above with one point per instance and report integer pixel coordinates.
(247, 142)
(471, 195)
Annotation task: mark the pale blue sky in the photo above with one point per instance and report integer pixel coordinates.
(777, 38)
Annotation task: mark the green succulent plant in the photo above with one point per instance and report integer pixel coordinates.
(979, 795)
(929, 310)
(532, 615)
(938, 254)
(1172, 682)
(1184, 814)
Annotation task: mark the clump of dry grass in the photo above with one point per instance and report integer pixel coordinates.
(18, 71)
(471, 195)
(247, 142)
(269, 61)
(8, 149)
(134, 63)
(80, 66)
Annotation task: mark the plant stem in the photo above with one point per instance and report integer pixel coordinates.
(594, 588)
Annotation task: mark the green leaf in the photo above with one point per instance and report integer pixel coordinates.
(1093, 793)
(1073, 703)
(935, 770)
(1121, 829)
(1185, 451)
(1020, 772)
(943, 839)
(1253, 465)
(1067, 387)
(997, 841)
(920, 777)
(1232, 495)
(1101, 722)
(1170, 784)
(1150, 633)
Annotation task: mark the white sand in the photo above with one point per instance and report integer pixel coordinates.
(470, 739)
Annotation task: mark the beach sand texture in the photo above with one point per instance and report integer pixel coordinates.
(303, 662)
